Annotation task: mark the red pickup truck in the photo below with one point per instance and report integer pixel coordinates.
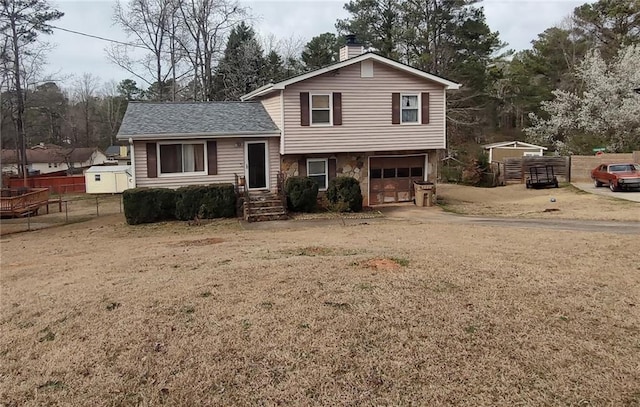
(617, 176)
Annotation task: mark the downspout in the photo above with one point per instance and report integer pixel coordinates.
(133, 162)
(282, 122)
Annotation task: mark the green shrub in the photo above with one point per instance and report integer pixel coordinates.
(344, 195)
(302, 194)
(205, 202)
(147, 205)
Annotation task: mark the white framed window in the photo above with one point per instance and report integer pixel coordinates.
(409, 108)
(320, 109)
(318, 170)
(182, 158)
(96, 177)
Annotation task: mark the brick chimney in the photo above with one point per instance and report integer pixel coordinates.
(352, 48)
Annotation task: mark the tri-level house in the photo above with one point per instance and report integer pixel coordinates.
(366, 116)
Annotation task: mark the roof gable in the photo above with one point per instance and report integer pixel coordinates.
(512, 144)
(366, 56)
(195, 119)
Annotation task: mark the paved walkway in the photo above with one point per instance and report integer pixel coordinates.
(627, 195)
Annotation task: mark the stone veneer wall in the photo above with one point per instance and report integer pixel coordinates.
(355, 165)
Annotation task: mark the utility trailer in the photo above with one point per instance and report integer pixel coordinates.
(541, 176)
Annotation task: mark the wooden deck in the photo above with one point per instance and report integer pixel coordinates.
(19, 202)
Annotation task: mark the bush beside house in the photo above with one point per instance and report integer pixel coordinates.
(344, 195)
(302, 194)
(205, 202)
(147, 205)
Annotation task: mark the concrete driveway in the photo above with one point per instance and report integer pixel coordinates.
(628, 195)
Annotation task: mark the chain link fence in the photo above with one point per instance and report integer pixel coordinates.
(64, 209)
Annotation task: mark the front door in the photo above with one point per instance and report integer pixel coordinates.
(256, 165)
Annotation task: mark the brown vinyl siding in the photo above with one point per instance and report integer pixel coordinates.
(230, 161)
(366, 113)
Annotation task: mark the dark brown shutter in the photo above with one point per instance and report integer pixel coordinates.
(333, 165)
(337, 109)
(212, 157)
(152, 160)
(304, 108)
(425, 108)
(302, 167)
(395, 108)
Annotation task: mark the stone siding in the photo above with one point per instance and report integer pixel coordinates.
(355, 165)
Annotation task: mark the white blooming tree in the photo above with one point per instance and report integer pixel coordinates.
(605, 112)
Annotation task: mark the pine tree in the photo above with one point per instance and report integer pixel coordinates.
(241, 69)
(274, 70)
(377, 23)
(321, 51)
(21, 22)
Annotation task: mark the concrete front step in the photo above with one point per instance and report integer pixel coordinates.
(266, 209)
(263, 217)
(264, 206)
(271, 202)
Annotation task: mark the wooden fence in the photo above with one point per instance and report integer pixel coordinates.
(516, 169)
(581, 165)
(56, 185)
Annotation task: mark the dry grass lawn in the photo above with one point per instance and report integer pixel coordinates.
(516, 201)
(384, 312)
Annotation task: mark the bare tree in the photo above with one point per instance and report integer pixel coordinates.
(84, 96)
(113, 105)
(151, 26)
(21, 21)
(206, 24)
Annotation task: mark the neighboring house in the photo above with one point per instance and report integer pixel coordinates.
(108, 179)
(512, 149)
(120, 155)
(367, 117)
(50, 159)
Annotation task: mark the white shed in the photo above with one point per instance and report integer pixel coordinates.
(108, 179)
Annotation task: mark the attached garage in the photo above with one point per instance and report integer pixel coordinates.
(391, 178)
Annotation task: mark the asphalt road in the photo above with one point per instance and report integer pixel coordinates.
(413, 214)
(628, 195)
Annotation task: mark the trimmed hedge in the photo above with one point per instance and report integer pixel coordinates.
(205, 202)
(147, 205)
(344, 194)
(302, 194)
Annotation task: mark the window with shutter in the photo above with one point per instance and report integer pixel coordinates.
(321, 109)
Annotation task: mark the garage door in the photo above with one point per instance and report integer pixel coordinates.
(391, 178)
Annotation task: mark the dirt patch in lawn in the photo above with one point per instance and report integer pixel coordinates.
(105, 314)
(381, 264)
(517, 201)
(199, 242)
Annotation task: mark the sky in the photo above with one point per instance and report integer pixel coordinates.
(517, 21)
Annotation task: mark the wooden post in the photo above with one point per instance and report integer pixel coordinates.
(97, 207)
(66, 211)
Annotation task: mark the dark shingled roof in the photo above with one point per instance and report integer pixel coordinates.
(196, 118)
(50, 155)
